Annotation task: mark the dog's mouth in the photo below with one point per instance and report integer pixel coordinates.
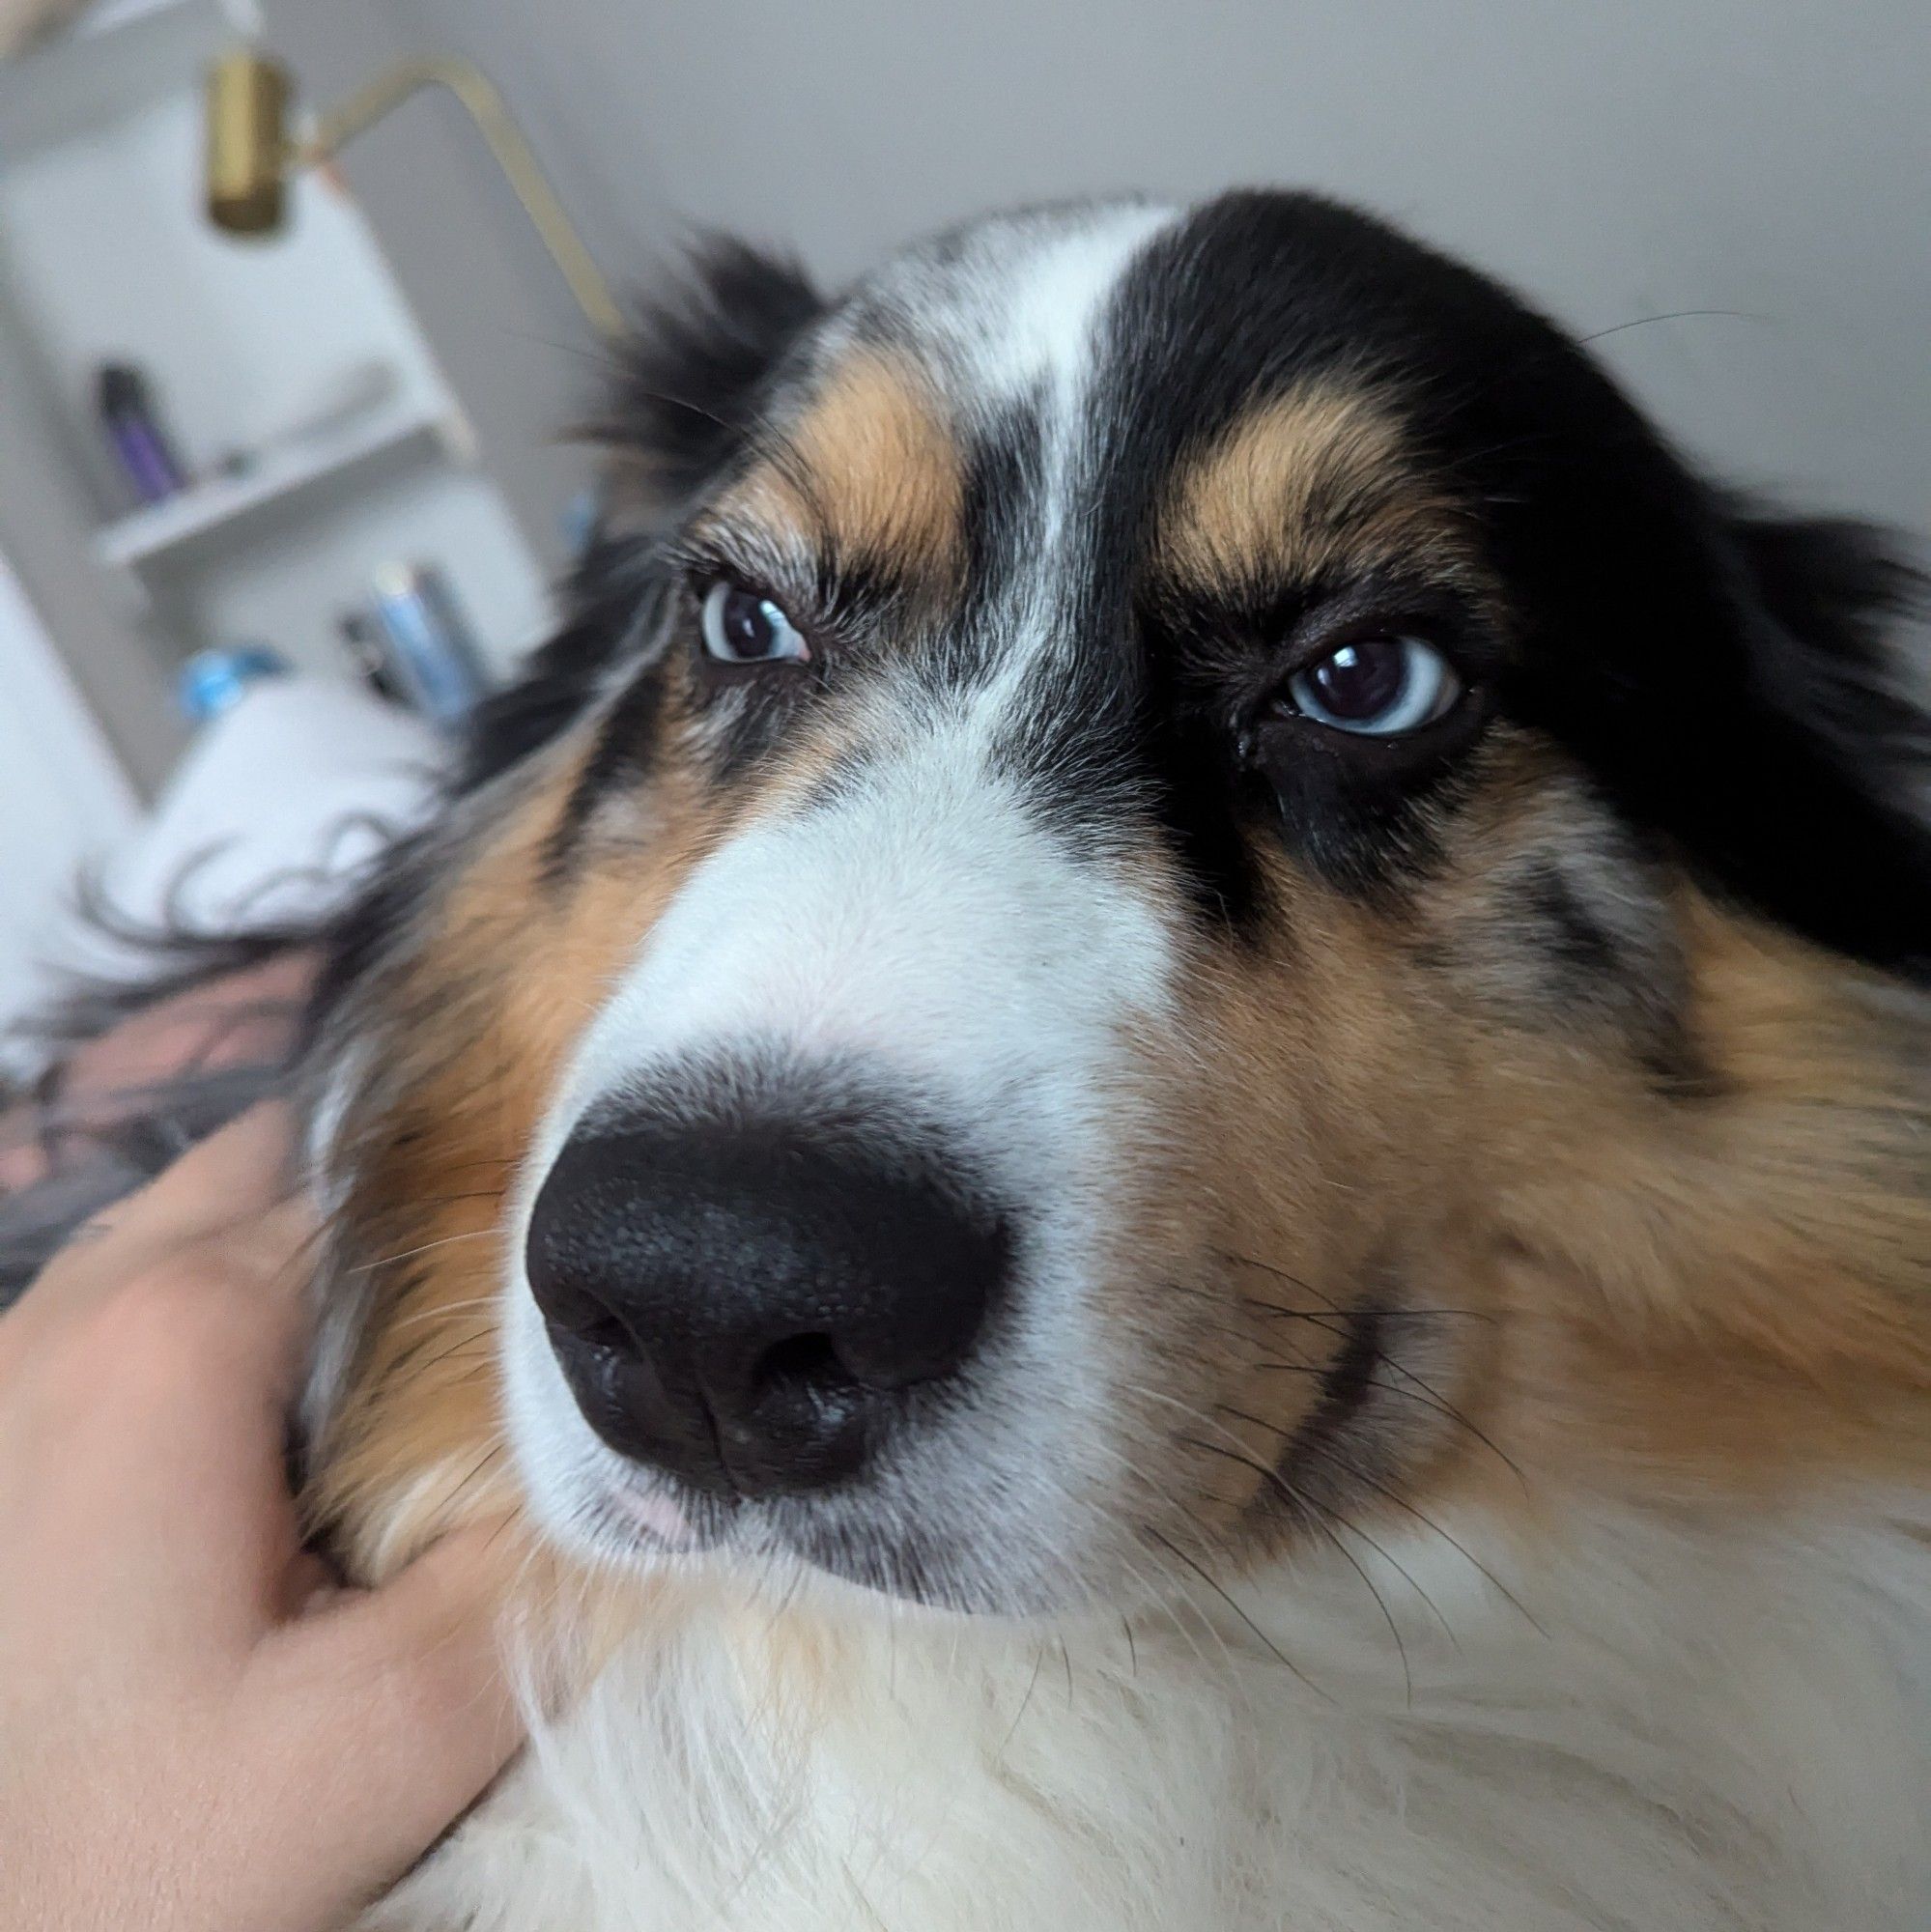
(859, 1538)
(663, 1523)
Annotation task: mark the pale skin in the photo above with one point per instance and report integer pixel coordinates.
(196, 1733)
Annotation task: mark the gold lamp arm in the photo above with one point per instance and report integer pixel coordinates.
(248, 154)
(484, 103)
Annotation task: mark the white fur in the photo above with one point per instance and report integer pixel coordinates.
(1029, 295)
(1718, 1726)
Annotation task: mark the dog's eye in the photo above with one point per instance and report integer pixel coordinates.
(1378, 687)
(741, 627)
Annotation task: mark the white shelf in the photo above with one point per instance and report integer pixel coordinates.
(109, 16)
(106, 258)
(209, 509)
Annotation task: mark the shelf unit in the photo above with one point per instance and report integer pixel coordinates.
(105, 257)
(220, 508)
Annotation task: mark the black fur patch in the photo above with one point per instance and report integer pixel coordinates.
(1610, 964)
(689, 394)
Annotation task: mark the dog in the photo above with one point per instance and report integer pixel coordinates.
(1159, 1125)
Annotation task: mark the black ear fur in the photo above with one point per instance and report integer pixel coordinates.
(1826, 605)
(688, 392)
(683, 400)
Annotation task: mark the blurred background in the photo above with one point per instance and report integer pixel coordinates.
(327, 463)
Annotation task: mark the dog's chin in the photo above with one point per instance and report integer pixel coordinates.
(651, 1526)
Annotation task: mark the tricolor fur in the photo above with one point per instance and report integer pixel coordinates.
(1451, 1448)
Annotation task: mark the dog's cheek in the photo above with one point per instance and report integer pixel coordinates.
(1304, 1169)
(1720, 1286)
(463, 1042)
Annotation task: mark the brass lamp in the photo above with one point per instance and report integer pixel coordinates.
(251, 155)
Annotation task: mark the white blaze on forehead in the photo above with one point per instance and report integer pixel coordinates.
(1019, 313)
(1038, 309)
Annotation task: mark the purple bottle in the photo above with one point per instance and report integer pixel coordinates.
(128, 416)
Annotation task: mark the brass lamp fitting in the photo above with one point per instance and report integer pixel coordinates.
(250, 155)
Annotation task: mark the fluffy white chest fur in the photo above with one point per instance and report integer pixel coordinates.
(1690, 1725)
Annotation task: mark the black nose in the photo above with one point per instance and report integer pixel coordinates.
(753, 1307)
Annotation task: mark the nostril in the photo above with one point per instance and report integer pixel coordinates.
(603, 1334)
(802, 1362)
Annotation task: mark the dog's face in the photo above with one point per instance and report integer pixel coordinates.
(1176, 890)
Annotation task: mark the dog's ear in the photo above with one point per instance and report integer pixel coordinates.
(1834, 828)
(690, 385)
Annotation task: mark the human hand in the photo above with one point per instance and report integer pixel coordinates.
(195, 1734)
(230, 1020)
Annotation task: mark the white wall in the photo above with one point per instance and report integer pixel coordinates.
(63, 800)
(1616, 159)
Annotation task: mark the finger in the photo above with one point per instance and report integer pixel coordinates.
(168, 1396)
(423, 1713)
(193, 1324)
(208, 1345)
(232, 1175)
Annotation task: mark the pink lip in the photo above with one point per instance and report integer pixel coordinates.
(655, 1514)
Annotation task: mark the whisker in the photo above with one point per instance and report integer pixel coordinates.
(1299, 1501)
(1388, 1556)
(1328, 1302)
(409, 1254)
(1025, 1703)
(1273, 1648)
(1335, 1311)
(440, 1313)
(1422, 1394)
(1379, 1489)
(1672, 315)
(1155, 1594)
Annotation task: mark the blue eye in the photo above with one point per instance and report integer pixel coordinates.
(1376, 686)
(741, 627)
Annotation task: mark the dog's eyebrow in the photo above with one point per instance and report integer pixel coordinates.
(869, 472)
(1302, 485)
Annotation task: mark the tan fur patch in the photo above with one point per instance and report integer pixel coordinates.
(1316, 480)
(483, 1013)
(1304, 1161)
(1597, 1285)
(871, 469)
(1731, 1295)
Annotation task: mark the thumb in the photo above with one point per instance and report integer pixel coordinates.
(417, 1714)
